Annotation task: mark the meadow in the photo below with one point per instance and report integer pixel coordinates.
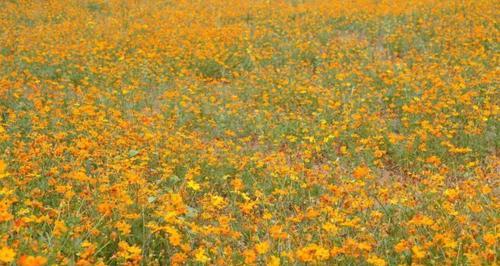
(238, 132)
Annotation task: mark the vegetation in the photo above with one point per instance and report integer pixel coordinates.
(292, 132)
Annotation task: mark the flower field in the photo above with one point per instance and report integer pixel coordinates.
(238, 132)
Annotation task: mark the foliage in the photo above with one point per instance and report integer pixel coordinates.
(248, 132)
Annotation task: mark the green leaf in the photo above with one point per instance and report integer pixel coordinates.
(133, 153)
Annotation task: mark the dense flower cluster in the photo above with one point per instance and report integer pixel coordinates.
(289, 132)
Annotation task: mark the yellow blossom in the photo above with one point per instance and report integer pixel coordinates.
(7, 254)
(262, 247)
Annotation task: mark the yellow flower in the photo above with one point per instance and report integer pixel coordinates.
(451, 194)
(262, 248)
(59, 228)
(200, 256)
(273, 261)
(365, 246)
(418, 252)
(312, 253)
(3, 169)
(330, 228)
(490, 239)
(174, 236)
(7, 254)
(374, 260)
(193, 185)
(129, 252)
(123, 227)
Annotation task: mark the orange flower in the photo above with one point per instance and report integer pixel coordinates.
(32, 261)
(361, 172)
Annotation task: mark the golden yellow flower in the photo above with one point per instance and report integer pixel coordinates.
(7, 254)
(262, 247)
